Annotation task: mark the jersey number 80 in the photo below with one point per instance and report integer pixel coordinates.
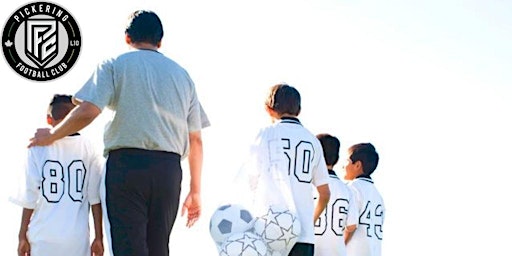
(54, 180)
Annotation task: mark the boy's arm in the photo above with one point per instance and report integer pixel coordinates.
(353, 218)
(23, 244)
(324, 194)
(349, 231)
(97, 243)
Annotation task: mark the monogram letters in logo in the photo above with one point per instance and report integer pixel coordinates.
(42, 43)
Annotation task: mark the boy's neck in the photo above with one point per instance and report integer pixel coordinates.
(284, 116)
(144, 46)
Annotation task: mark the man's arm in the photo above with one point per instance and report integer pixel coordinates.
(324, 194)
(81, 116)
(192, 203)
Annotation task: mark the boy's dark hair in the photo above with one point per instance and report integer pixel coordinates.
(60, 106)
(144, 26)
(284, 99)
(331, 148)
(366, 153)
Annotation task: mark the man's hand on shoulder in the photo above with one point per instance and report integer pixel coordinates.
(42, 137)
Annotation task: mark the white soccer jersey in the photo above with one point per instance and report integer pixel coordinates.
(366, 240)
(340, 212)
(298, 153)
(60, 182)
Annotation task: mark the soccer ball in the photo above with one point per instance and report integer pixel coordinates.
(279, 228)
(227, 220)
(244, 244)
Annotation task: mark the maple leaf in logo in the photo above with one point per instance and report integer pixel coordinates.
(8, 43)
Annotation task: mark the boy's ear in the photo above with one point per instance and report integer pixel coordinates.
(49, 119)
(127, 39)
(269, 110)
(359, 166)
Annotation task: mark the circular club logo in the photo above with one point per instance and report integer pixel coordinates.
(41, 41)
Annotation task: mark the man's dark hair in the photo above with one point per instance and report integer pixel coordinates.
(144, 26)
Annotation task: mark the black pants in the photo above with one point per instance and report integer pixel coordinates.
(302, 249)
(142, 197)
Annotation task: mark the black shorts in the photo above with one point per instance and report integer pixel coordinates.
(302, 249)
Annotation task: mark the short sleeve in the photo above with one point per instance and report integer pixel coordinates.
(26, 194)
(99, 89)
(96, 169)
(321, 174)
(353, 214)
(205, 122)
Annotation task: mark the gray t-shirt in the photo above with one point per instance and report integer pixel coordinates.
(153, 99)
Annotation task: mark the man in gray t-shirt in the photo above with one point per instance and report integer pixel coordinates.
(157, 122)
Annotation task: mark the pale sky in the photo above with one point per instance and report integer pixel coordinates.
(427, 82)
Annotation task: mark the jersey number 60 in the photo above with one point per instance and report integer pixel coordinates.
(302, 155)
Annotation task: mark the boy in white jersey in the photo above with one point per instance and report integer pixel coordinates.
(61, 181)
(341, 212)
(287, 141)
(366, 239)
